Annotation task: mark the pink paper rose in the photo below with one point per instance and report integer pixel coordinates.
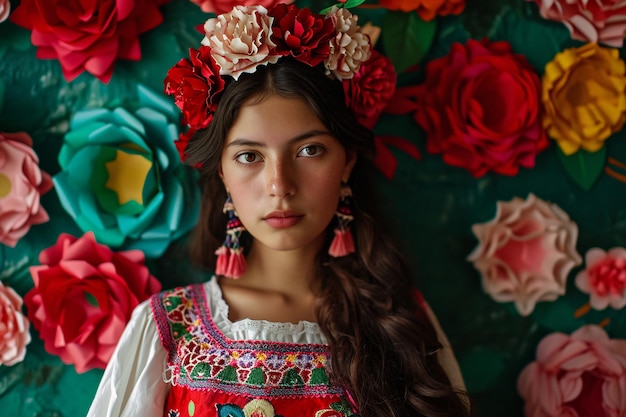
(604, 279)
(240, 40)
(349, 48)
(21, 185)
(5, 10)
(576, 376)
(525, 253)
(602, 21)
(224, 6)
(83, 297)
(88, 35)
(14, 335)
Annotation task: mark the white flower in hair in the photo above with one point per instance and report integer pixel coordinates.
(240, 40)
(349, 48)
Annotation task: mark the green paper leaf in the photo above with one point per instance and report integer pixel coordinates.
(91, 299)
(406, 38)
(353, 3)
(583, 167)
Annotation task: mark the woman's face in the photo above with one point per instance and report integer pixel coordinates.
(284, 170)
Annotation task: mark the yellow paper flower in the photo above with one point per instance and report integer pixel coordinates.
(584, 97)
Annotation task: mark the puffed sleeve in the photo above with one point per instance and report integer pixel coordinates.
(132, 384)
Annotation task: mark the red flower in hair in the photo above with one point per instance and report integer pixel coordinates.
(371, 88)
(196, 85)
(301, 33)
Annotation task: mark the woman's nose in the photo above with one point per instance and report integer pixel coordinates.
(280, 179)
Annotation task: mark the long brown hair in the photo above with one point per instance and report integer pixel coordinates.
(383, 348)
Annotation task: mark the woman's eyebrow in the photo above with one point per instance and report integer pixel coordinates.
(303, 136)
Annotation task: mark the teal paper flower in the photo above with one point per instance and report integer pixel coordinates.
(122, 179)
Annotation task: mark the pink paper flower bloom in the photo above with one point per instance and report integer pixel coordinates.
(83, 297)
(224, 6)
(21, 185)
(604, 278)
(599, 21)
(525, 253)
(14, 335)
(240, 40)
(89, 35)
(5, 10)
(349, 48)
(576, 376)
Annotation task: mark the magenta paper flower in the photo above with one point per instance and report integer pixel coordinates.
(525, 253)
(88, 35)
(83, 297)
(604, 278)
(21, 185)
(581, 375)
(602, 21)
(14, 335)
(5, 10)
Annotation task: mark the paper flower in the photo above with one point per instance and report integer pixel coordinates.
(480, 107)
(14, 335)
(588, 20)
(349, 48)
(371, 88)
(604, 278)
(88, 35)
(426, 9)
(5, 10)
(21, 185)
(584, 95)
(196, 86)
(575, 376)
(301, 33)
(224, 6)
(525, 253)
(240, 40)
(83, 297)
(121, 176)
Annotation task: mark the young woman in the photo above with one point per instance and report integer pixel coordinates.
(322, 319)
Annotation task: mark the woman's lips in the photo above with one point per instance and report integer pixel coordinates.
(282, 219)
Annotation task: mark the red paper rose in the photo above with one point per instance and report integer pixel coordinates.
(299, 32)
(371, 88)
(480, 108)
(83, 297)
(225, 6)
(196, 86)
(89, 35)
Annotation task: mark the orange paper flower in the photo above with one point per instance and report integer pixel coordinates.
(426, 9)
(584, 97)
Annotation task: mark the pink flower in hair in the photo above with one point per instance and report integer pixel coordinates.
(240, 40)
(604, 279)
(349, 48)
(577, 375)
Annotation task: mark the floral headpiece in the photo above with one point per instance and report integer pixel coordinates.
(248, 36)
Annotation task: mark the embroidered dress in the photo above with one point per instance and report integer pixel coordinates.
(211, 374)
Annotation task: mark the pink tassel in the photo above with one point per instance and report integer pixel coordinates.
(236, 264)
(222, 260)
(342, 244)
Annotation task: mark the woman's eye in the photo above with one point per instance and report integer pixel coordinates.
(247, 158)
(310, 151)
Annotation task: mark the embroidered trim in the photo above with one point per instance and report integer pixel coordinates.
(201, 357)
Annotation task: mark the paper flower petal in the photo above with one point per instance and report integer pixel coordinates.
(103, 151)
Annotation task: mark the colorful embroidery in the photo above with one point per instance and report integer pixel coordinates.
(202, 357)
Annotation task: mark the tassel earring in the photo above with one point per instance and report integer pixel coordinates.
(230, 260)
(342, 243)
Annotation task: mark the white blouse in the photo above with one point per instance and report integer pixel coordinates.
(134, 384)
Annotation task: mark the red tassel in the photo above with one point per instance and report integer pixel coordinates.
(222, 260)
(236, 264)
(342, 244)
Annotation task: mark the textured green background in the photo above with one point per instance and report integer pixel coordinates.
(432, 204)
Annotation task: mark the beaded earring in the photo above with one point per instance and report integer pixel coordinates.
(343, 243)
(230, 260)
